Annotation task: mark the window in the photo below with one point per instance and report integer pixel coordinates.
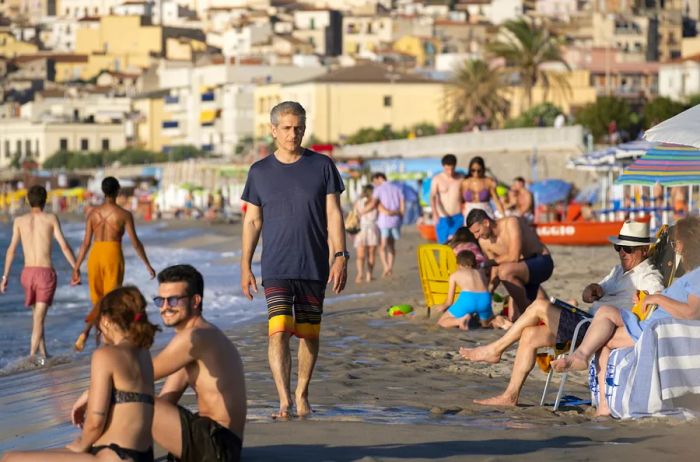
(105, 144)
(7, 149)
(387, 101)
(170, 124)
(19, 148)
(312, 24)
(84, 144)
(36, 148)
(28, 147)
(63, 144)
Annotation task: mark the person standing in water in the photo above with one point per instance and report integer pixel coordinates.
(104, 228)
(35, 231)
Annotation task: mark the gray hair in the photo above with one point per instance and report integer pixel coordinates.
(287, 107)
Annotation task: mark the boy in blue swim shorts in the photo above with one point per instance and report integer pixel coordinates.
(474, 298)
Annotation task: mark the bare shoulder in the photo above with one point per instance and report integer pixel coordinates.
(104, 356)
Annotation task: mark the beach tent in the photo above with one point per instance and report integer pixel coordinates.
(550, 191)
(669, 165)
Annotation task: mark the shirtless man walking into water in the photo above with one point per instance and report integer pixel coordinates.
(202, 357)
(519, 259)
(105, 228)
(35, 230)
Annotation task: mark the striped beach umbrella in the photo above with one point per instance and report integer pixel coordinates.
(669, 165)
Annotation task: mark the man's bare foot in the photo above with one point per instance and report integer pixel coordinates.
(303, 407)
(500, 400)
(387, 273)
(464, 322)
(368, 277)
(484, 354)
(359, 278)
(573, 362)
(284, 413)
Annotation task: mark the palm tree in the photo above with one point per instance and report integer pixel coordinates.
(526, 46)
(476, 90)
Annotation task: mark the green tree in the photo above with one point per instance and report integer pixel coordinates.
(547, 112)
(476, 90)
(526, 47)
(660, 109)
(597, 116)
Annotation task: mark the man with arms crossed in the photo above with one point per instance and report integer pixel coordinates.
(543, 324)
(446, 199)
(293, 198)
(35, 230)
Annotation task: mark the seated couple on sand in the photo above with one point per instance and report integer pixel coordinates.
(119, 413)
(544, 325)
(613, 327)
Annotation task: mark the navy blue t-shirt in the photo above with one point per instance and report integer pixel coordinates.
(292, 198)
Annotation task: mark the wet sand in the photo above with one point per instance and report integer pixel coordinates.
(385, 388)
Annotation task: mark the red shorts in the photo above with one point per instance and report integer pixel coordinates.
(39, 285)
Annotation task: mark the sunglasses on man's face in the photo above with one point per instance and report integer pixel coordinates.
(624, 248)
(173, 300)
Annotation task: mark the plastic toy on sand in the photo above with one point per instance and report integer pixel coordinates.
(399, 310)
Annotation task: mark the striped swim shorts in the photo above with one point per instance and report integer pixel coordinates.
(294, 306)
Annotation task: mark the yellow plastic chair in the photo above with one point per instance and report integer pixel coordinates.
(435, 264)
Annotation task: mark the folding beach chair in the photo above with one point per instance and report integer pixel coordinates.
(435, 264)
(662, 256)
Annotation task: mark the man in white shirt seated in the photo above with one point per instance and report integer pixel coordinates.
(543, 324)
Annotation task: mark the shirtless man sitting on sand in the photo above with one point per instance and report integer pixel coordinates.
(202, 357)
(35, 230)
(520, 202)
(519, 259)
(104, 228)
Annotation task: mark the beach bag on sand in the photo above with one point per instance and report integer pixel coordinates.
(352, 222)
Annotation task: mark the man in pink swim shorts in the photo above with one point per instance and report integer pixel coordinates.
(35, 230)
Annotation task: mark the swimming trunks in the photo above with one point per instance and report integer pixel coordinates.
(205, 440)
(540, 268)
(39, 284)
(294, 306)
(105, 269)
(120, 397)
(125, 453)
(567, 325)
(472, 303)
(446, 227)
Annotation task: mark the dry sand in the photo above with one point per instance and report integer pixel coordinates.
(390, 389)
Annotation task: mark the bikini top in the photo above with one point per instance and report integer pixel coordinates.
(120, 397)
(483, 196)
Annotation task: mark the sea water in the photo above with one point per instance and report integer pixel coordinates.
(224, 304)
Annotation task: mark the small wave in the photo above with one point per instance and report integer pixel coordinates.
(27, 364)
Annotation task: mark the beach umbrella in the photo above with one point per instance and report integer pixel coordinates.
(669, 165)
(550, 191)
(681, 129)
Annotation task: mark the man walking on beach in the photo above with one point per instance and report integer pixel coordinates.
(389, 199)
(293, 199)
(544, 324)
(446, 199)
(520, 260)
(104, 228)
(35, 230)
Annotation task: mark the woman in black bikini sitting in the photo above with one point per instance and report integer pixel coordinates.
(117, 420)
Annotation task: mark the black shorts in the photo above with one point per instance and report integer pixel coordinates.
(294, 306)
(204, 440)
(567, 325)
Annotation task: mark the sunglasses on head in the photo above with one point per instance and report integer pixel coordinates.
(624, 248)
(173, 300)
